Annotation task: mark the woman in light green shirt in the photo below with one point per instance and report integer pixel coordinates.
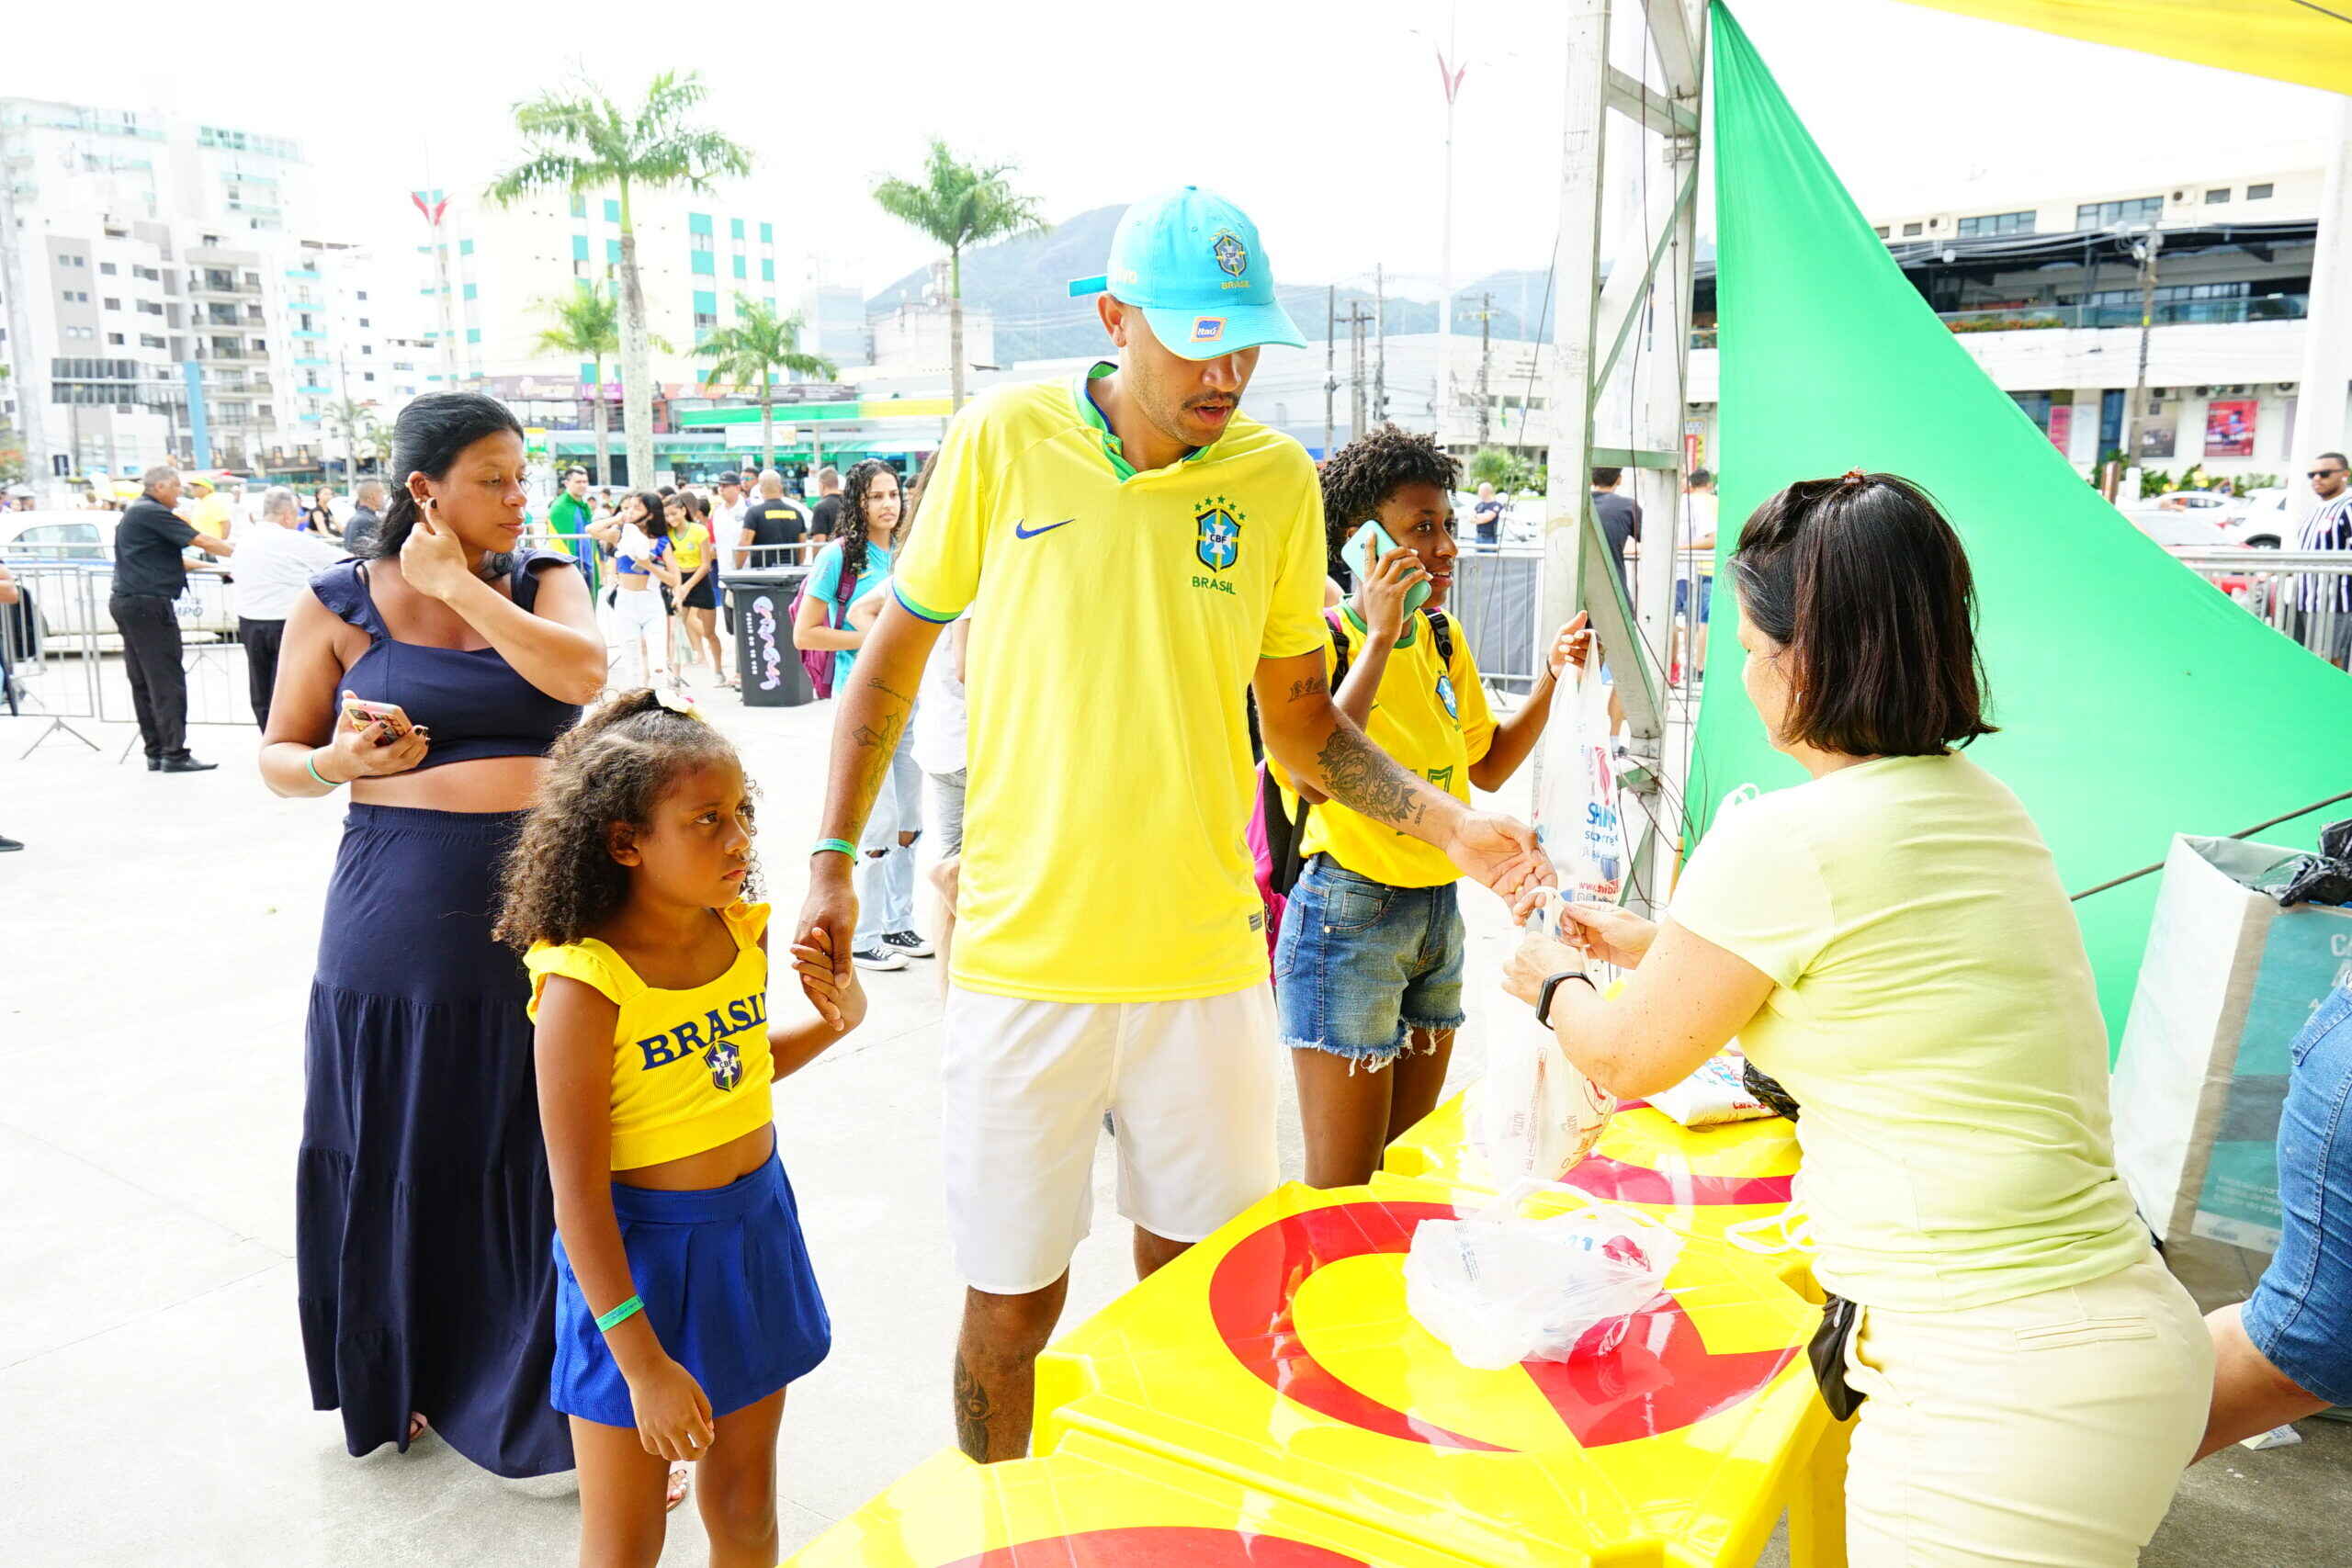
(1891, 941)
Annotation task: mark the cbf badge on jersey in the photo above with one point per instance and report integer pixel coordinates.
(1218, 545)
(1446, 695)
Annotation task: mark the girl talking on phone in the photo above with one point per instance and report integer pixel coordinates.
(1368, 965)
(429, 679)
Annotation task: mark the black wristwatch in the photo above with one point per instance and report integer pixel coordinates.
(1551, 984)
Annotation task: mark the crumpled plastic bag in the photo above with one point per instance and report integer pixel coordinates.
(2323, 878)
(1717, 1092)
(1500, 1289)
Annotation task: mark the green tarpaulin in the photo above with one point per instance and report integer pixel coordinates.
(2135, 701)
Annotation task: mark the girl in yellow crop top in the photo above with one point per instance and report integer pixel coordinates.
(684, 1299)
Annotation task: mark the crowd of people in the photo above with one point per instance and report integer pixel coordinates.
(541, 1209)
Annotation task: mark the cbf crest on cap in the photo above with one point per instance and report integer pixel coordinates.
(1191, 260)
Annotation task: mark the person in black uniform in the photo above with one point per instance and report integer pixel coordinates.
(149, 573)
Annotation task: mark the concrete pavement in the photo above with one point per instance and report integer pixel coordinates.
(157, 935)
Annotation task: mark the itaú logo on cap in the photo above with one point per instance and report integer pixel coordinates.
(1208, 329)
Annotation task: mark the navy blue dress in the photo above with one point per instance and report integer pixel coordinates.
(423, 1218)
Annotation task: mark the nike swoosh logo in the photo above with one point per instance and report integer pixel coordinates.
(1021, 531)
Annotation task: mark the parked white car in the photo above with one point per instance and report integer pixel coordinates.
(64, 561)
(2264, 519)
(2191, 519)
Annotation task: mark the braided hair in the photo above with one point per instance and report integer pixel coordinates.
(559, 882)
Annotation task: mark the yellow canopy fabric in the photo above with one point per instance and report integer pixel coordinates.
(2308, 42)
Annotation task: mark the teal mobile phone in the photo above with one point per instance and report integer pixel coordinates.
(1374, 534)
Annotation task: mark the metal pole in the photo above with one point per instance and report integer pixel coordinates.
(24, 368)
(1330, 360)
(2145, 253)
(1450, 75)
(1380, 354)
(1485, 359)
(350, 424)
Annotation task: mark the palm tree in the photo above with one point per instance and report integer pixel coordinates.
(760, 342)
(577, 139)
(353, 420)
(960, 205)
(587, 325)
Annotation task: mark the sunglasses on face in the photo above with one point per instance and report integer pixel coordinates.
(2324, 473)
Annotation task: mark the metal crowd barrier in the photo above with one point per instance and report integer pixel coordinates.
(2297, 594)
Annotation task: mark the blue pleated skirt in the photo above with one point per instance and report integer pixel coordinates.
(728, 1290)
(423, 1217)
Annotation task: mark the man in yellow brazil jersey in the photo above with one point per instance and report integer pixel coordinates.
(1136, 552)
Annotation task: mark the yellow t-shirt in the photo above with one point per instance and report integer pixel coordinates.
(691, 1069)
(1934, 1014)
(211, 514)
(1119, 616)
(688, 542)
(1435, 722)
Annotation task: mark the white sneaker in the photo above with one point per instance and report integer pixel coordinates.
(910, 944)
(877, 958)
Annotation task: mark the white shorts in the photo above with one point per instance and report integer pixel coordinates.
(637, 608)
(1189, 1086)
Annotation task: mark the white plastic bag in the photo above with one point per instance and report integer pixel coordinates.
(1534, 1116)
(1577, 820)
(1499, 1289)
(1716, 1092)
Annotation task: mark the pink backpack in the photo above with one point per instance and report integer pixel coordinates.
(818, 661)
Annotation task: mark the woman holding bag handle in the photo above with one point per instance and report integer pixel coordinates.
(1891, 941)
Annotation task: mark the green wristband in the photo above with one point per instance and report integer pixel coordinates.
(835, 846)
(607, 1322)
(312, 763)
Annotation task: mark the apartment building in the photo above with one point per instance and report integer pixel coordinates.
(174, 306)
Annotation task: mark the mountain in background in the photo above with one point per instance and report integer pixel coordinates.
(1023, 284)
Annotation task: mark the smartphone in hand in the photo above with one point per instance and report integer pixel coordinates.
(1372, 537)
(358, 713)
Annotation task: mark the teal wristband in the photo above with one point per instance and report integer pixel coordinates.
(620, 1314)
(835, 846)
(312, 763)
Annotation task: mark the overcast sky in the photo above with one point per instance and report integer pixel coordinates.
(1330, 135)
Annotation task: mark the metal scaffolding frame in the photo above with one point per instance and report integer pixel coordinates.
(1644, 309)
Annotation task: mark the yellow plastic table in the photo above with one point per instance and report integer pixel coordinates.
(1278, 1354)
(1093, 1503)
(1697, 1180)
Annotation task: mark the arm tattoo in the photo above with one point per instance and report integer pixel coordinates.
(972, 1413)
(889, 690)
(1312, 686)
(1359, 774)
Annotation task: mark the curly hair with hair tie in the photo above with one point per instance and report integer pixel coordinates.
(559, 882)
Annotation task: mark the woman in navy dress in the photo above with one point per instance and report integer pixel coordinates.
(430, 680)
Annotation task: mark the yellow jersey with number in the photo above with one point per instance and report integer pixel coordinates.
(1118, 618)
(1433, 719)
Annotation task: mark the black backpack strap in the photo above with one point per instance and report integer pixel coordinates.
(1442, 629)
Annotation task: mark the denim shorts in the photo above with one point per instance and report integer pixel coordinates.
(1360, 962)
(2301, 1317)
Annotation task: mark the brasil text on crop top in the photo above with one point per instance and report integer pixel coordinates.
(691, 1068)
(474, 702)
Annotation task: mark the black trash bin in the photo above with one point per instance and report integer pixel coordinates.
(768, 664)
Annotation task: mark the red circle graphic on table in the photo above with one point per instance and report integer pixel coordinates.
(1160, 1546)
(1659, 1377)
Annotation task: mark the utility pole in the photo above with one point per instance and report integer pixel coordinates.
(350, 424)
(25, 375)
(1330, 361)
(1380, 358)
(1357, 321)
(1486, 363)
(2143, 251)
(1450, 76)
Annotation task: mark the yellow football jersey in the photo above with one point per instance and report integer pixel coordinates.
(1118, 617)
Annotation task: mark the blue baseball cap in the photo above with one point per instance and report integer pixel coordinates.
(1190, 260)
